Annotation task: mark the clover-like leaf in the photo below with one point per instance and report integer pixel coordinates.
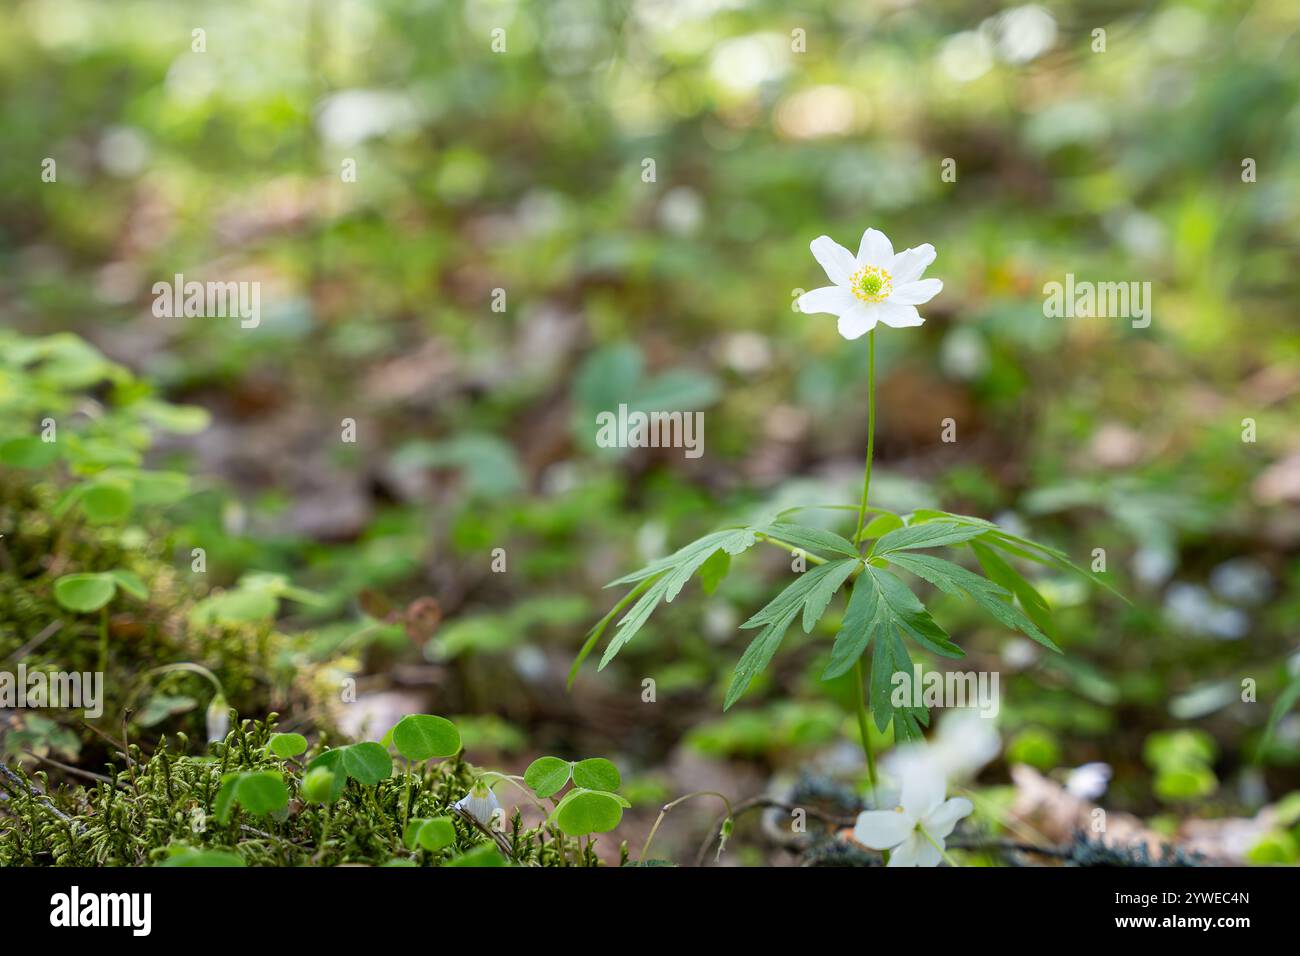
(583, 812)
(547, 775)
(84, 592)
(367, 763)
(596, 773)
(424, 736)
(287, 745)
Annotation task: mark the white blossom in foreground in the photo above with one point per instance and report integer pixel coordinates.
(480, 803)
(873, 286)
(914, 832)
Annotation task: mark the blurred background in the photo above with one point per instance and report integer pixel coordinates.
(634, 186)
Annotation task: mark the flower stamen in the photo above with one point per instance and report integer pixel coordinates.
(872, 284)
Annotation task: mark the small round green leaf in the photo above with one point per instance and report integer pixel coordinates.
(322, 785)
(188, 856)
(262, 792)
(104, 503)
(484, 855)
(547, 775)
(596, 773)
(84, 592)
(367, 763)
(287, 745)
(437, 833)
(28, 451)
(588, 811)
(423, 736)
(130, 583)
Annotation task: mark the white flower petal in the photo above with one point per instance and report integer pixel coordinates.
(898, 316)
(875, 250)
(915, 293)
(923, 788)
(882, 829)
(940, 823)
(831, 298)
(915, 851)
(858, 321)
(908, 265)
(834, 258)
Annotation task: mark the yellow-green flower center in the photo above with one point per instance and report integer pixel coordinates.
(872, 284)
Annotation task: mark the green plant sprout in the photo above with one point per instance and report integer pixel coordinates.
(876, 286)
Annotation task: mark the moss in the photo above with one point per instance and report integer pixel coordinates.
(151, 807)
(260, 668)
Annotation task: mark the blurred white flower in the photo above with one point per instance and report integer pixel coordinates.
(218, 719)
(873, 286)
(1089, 781)
(963, 743)
(914, 831)
(480, 803)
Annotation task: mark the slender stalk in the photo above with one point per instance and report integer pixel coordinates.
(871, 431)
(860, 704)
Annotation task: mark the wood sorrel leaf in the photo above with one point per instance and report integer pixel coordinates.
(596, 773)
(547, 775)
(424, 736)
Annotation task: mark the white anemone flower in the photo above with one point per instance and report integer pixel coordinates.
(480, 803)
(914, 832)
(873, 286)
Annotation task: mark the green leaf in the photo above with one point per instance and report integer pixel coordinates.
(178, 419)
(1000, 572)
(930, 535)
(583, 812)
(84, 592)
(596, 773)
(437, 833)
(732, 540)
(320, 784)
(634, 620)
(367, 763)
(793, 596)
(597, 629)
(954, 579)
(856, 629)
(237, 606)
(287, 745)
(189, 856)
(714, 570)
(812, 540)
(259, 792)
(424, 736)
(130, 583)
(819, 595)
(484, 855)
(431, 833)
(547, 776)
(28, 451)
(262, 792)
(105, 502)
(883, 603)
(758, 655)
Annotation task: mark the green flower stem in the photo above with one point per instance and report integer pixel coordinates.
(871, 432)
(938, 846)
(864, 725)
(645, 847)
(859, 672)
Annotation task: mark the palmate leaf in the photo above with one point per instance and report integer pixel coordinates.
(888, 658)
(813, 540)
(954, 579)
(1013, 544)
(930, 535)
(1000, 572)
(883, 604)
(812, 592)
